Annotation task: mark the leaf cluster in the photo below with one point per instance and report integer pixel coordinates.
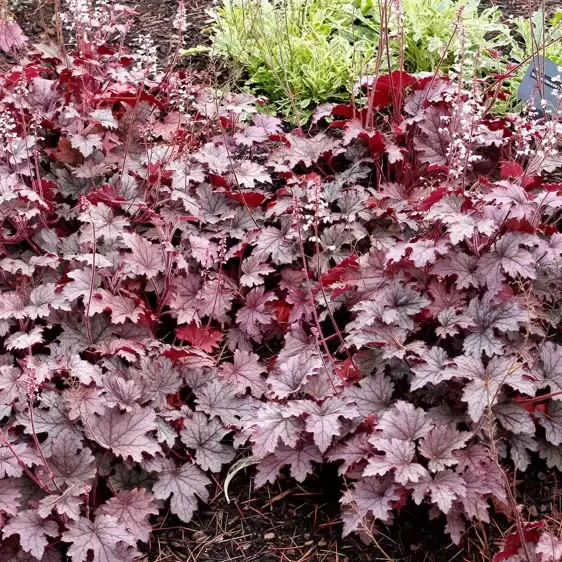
(300, 53)
(183, 280)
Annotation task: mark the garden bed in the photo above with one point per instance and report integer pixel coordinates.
(394, 270)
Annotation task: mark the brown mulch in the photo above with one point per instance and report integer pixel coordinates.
(523, 7)
(154, 18)
(291, 522)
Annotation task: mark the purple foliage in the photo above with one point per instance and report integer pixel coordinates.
(181, 279)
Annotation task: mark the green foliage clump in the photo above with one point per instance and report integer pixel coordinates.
(298, 53)
(536, 35)
(301, 53)
(441, 33)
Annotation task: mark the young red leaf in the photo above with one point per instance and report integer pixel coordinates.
(511, 170)
(205, 338)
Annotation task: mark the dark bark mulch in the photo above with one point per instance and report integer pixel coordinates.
(290, 522)
(154, 18)
(523, 7)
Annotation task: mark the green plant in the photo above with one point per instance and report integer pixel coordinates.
(538, 34)
(534, 35)
(298, 53)
(440, 33)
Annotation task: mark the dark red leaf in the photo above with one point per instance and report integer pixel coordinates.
(511, 170)
(375, 142)
(438, 168)
(105, 194)
(282, 311)
(218, 181)
(532, 531)
(251, 198)
(553, 186)
(338, 273)
(344, 110)
(339, 124)
(531, 182)
(520, 225)
(435, 196)
(205, 338)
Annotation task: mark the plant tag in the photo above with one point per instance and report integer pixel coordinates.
(543, 84)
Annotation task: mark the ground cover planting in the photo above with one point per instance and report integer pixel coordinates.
(196, 290)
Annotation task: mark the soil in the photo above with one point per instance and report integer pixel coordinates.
(523, 7)
(287, 522)
(290, 522)
(154, 18)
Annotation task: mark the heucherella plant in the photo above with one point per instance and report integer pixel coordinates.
(184, 281)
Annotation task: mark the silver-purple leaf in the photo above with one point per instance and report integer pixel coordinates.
(132, 508)
(486, 381)
(274, 423)
(125, 433)
(10, 465)
(245, 372)
(514, 418)
(372, 496)
(398, 456)
(145, 257)
(373, 395)
(33, 531)
(184, 484)
(298, 458)
(221, 399)
(551, 420)
(352, 451)
(10, 493)
(509, 257)
(403, 421)
(106, 538)
(443, 488)
(323, 420)
(434, 369)
(438, 446)
(291, 374)
(204, 436)
(486, 317)
(71, 463)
